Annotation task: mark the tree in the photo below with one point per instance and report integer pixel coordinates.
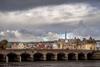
(3, 44)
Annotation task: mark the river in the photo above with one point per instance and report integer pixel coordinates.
(53, 64)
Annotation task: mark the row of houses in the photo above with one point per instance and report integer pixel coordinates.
(70, 44)
(34, 45)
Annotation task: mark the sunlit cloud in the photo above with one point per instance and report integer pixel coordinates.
(2, 33)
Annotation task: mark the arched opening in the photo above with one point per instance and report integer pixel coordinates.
(90, 56)
(25, 57)
(38, 57)
(2, 58)
(60, 56)
(12, 57)
(71, 56)
(50, 57)
(81, 56)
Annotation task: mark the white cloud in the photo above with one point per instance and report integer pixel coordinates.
(49, 36)
(18, 36)
(49, 14)
(2, 33)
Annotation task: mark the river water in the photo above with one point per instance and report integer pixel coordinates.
(54, 64)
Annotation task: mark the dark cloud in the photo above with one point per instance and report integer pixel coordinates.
(11, 5)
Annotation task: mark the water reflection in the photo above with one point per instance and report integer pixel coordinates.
(53, 64)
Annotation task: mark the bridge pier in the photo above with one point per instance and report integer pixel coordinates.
(19, 58)
(55, 57)
(6, 57)
(66, 56)
(85, 56)
(44, 57)
(31, 58)
(76, 55)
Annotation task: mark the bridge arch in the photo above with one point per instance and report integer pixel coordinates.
(71, 56)
(2, 58)
(90, 56)
(81, 56)
(12, 57)
(25, 57)
(38, 57)
(61, 56)
(50, 57)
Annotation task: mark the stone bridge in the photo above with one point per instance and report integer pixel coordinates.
(30, 55)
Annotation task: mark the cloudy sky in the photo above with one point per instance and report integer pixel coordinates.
(36, 20)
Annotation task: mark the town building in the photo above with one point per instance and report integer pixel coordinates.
(98, 44)
(71, 44)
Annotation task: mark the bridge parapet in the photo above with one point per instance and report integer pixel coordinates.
(32, 51)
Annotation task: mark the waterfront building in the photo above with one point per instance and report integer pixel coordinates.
(30, 45)
(98, 45)
(14, 46)
(54, 46)
(90, 44)
(21, 46)
(61, 43)
(71, 44)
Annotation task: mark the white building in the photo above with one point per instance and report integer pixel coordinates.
(21, 46)
(55, 46)
(14, 46)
